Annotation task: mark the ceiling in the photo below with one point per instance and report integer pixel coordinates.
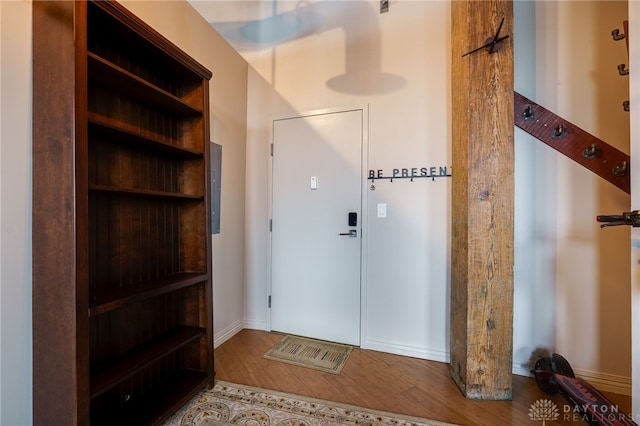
(254, 25)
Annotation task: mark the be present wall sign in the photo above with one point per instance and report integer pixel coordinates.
(411, 173)
(432, 172)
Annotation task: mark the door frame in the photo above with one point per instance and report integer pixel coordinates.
(364, 193)
(634, 87)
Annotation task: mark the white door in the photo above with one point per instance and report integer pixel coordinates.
(316, 251)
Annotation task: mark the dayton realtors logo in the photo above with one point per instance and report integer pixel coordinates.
(546, 410)
(543, 409)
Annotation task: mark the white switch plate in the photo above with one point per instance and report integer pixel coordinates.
(313, 182)
(382, 210)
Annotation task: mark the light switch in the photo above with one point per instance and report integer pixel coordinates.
(314, 182)
(382, 210)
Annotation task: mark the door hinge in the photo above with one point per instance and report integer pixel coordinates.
(269, 301)
(271, 149)
(270, 225)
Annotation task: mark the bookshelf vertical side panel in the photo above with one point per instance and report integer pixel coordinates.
(190, 133)
(192, 179)
(207, 302)
(193, 237)
(194, 314)
(82, 212)
(192, 95)
(60, 373)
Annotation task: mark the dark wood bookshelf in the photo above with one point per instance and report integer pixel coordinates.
(129, 363)
(144, 193)
(102, 128)
(137, 292)
(122, 298)
(112, 77)
(154, 405)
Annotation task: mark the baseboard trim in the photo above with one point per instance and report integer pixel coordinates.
(405, 349)
(256, 325)
(521, 369)
(606, 382)
(227, 333)
(613, 383)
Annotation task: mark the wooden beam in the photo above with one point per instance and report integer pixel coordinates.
(483, 185)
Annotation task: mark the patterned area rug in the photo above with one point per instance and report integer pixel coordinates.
(316, 354)
(230, 404)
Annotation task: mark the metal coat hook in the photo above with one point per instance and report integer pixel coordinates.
(616, 35)
(559, 132)
(621, 169)
(412, 178)
(625, 106)
(622, 70)
(528, 113)
(546, 128)
(591, 152)
(626, 218)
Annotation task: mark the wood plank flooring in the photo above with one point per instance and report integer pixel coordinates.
(385, 382)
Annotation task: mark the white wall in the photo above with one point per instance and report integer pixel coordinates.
(15, 208)
(567, 61)
(406, 307)
(576, 76)
(534, 303)
(183, 26)
(568, 272)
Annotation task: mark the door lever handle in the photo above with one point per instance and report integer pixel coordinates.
(352, 233)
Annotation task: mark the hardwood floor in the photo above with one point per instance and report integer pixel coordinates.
(385, 382)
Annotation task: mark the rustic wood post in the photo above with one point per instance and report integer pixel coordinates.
(483, 185)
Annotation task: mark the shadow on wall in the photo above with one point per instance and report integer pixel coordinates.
(614, 258)
(359, 22)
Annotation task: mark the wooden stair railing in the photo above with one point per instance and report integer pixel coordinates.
(587, 150)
